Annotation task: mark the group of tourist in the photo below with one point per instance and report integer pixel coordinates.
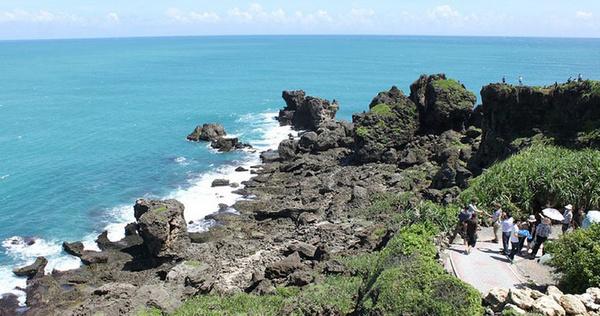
(532, 231)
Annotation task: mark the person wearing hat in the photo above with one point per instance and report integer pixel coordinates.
(542, 232)
(568, 218)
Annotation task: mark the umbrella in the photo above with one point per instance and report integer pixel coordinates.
(592, 217)
(553, 214)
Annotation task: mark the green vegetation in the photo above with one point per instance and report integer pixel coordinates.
(405, 279)
(149, 312)
(540, 176)
(447, 84)
(362, 131)
(160, 209)
(382, 109)
(576, 257)
(402, 279)
(237, 304)
(193, 263)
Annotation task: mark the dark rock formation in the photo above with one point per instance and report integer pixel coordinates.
(443, 103)
(207, 132)
(515, 116)
(32, 270)
(219, 183)
(162, 226)
(73, 248)
(305, 112)
(385, 128)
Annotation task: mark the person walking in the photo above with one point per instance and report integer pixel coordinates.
(542, 232)
(507, 228)
(514, 242)
(524, 235)
(568, 218)
(472, 225)
(496, 218)
(463, 216)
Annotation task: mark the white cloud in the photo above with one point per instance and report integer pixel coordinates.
(41, 16)
(361, 15)
(584, 15)
(192, 16)
(113, 17)
(443, 12)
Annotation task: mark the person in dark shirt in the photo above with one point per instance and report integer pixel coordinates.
(472, 225)
(578, 217)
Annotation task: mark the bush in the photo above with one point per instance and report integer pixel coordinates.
(540, 175)
(237, 304)
(576, 256)
(405, 279)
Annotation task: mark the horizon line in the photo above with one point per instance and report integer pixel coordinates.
(294, 35)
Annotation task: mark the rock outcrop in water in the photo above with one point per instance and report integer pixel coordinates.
(312, 200)
(216, 135)
(207, 132)
(305, 112)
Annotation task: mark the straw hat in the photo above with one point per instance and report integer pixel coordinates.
(531, 219)
(569, 207)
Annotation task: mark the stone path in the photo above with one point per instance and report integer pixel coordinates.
(486, 268)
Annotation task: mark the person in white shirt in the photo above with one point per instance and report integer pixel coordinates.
(514, 241)
(507, 227)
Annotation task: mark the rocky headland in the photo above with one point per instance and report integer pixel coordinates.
(314, 200)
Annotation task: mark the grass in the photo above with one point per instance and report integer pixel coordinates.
(382, 109)
(362, 131)
(193, 263)
(447, 84)
(160, 209)
(539, 176)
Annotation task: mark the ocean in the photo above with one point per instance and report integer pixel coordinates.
(88, 126)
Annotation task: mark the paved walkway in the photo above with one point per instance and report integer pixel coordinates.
(486, 268)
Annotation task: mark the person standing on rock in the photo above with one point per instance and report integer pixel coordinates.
(568, 218)
(472, 226)
(507, 227)
(542, 232)
(496, 218)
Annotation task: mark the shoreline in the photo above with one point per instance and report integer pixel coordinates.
(195, 196)
(340, 191)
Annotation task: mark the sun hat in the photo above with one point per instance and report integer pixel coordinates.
(532, 218)
(569, 207)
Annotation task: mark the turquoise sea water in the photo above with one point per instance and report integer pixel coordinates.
(88, 126)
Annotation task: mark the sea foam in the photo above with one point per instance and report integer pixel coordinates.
(198, 196)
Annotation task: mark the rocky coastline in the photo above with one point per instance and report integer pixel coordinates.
(307, 204)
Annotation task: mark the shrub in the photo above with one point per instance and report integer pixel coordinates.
(576, 256)
(537, 176)
(382, 109)
(404, 278)
(237, 304)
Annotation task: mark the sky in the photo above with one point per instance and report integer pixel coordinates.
(41, 19)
